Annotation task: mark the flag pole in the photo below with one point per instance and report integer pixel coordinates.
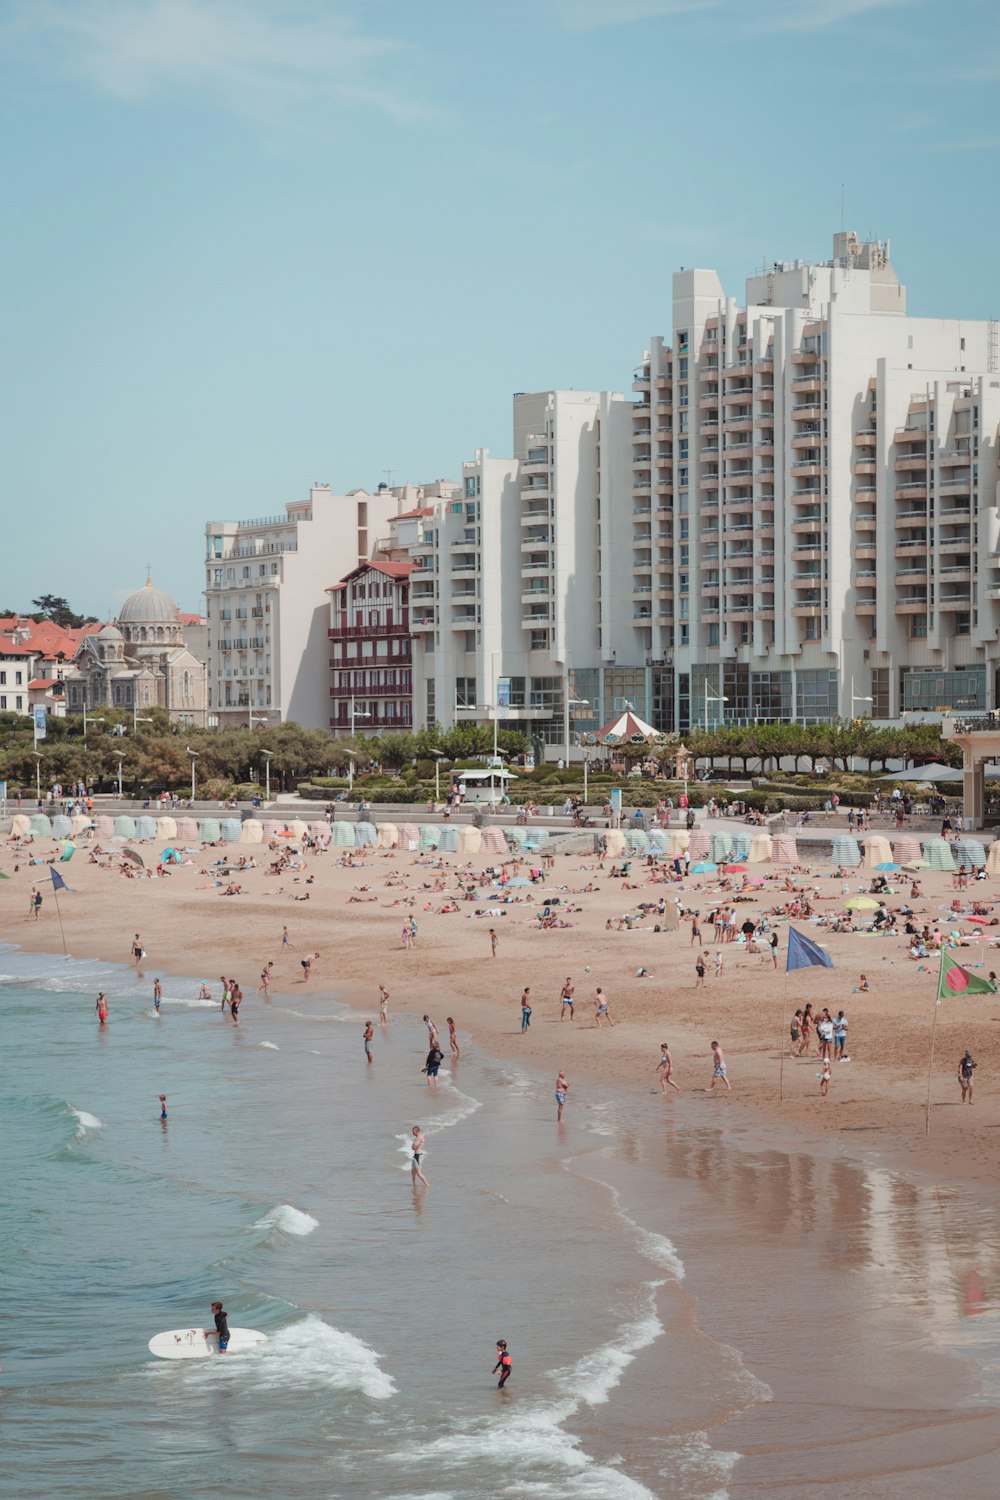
(930, 1065)
(55, 897)
(781, 1048)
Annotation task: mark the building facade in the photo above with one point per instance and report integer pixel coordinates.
(371, 659)
(267, 607)
(815, 476)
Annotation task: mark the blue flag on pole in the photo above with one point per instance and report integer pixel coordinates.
(58, 883)
(803, 953)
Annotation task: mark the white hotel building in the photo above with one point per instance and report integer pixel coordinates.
(818, 474)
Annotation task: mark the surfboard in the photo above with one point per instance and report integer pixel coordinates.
(193, 1343)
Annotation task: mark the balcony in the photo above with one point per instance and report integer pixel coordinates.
(394, 625)
(910, 435)
(913, 489)
(808, 471)
(867, 439)
(911, 548)
(866, 607)
(808, 385)
(737, 393)
(949, 603)
(910, 461)
(865, 466)
(807, 437)
(955, 456)
(956, 486)
(421, 623)
(908, 517)
(742, 423)
(911, 605)
(805, 356)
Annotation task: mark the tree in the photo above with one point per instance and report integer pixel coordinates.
(55, 608)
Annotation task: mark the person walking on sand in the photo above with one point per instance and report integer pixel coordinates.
(383, 1005)
(137, 950)
(824, 1077)
(718, 963)
(718, 1069)
(416, 1154)
(840, 1038)
(526, 1008)
(562, 1089)
(369, 1032)
(265, 979)
(101, 1008)
(284, 937)
(566, 1001)
(494, 940)
(35, 902)
(503, 1364)
(699, 969)
(453, 1038)
(157, 995)
(966, 1082)
(406, 935)
(601, 1008)
(795, 1031)
(774, 950)
(665, 1068)
(695, 931)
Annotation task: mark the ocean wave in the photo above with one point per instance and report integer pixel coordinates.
(595, 1375)
(270, 1046)
(311, 1353)
(85, 1121)
(288, 1219)
(522, 1440)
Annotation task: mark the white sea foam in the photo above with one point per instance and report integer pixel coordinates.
(692, 1459)
(271, 1046)
(288, 1219)
(190, 1004)
(595, 1375)
(313, 1353)
(85, 1122)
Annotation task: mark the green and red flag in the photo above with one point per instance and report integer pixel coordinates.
(956, 981)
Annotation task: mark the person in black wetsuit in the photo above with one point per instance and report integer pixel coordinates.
(221, 1326)
(503, 1364)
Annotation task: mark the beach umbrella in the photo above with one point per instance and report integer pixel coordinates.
(917, 864)
(888, 865)
(515, 880)
(735, 869)
(133, 858)
(861, 903)
(704, 867)
(979, 921)
(69, 849)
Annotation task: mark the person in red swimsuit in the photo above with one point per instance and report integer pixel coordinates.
(503, 1364)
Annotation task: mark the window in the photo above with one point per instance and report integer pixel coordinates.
(465, 692)
(713, 635)
(538, 640)
(684, 635)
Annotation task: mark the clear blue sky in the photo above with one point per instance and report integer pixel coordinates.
(249, 244)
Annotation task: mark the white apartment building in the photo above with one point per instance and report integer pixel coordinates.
(815, 478)
(526, 574)
(267, 608)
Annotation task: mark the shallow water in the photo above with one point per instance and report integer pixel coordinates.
(641, 1261)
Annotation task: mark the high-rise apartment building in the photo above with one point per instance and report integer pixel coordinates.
(816, 499)
(267, 608)
(526, 574)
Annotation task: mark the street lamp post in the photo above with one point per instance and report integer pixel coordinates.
(120, 757)
(92, 720)
(357, 713)
(136, 720)
(350, 775)
(569, 703)
(718, 697)
(857, 698)
(38, 774)
(194, 756)
(267, 773)
(438, 757)
(257, 719)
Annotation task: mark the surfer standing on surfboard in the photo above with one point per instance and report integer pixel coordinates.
(221, 1326)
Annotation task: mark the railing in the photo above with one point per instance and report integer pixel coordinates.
(979, 724)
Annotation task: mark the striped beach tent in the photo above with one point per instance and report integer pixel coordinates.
(969, 852)
(938, 855)
(846, 851)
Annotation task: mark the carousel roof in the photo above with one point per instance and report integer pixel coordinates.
(627, 726)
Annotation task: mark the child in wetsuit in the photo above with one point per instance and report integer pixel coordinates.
(221, 1326)
(503, 1364)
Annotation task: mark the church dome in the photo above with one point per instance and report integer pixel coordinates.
(148, 606)
(109, 633)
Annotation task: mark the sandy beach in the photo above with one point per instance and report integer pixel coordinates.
(353, 919)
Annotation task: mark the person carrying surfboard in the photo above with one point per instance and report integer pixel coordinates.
(221, 1326)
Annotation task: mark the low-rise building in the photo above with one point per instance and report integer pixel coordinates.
(371, 660)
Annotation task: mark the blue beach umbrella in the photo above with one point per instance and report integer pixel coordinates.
(888, 866)
(706, 867)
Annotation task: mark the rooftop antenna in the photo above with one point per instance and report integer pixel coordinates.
(843, 201)
(388, 476)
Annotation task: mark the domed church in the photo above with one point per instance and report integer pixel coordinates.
(146, 659)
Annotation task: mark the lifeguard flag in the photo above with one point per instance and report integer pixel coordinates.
(58, 883)
(955, 981)
(803, 953)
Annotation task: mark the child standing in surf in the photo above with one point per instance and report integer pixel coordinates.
(504, 1364)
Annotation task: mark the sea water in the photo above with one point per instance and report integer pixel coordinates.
(280, 1184)
(656, 1273)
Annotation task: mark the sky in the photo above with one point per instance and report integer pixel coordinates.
(253, 244)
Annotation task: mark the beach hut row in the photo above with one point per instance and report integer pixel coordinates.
(448, 838)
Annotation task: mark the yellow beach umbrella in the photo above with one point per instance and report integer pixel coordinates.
(860, 903)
